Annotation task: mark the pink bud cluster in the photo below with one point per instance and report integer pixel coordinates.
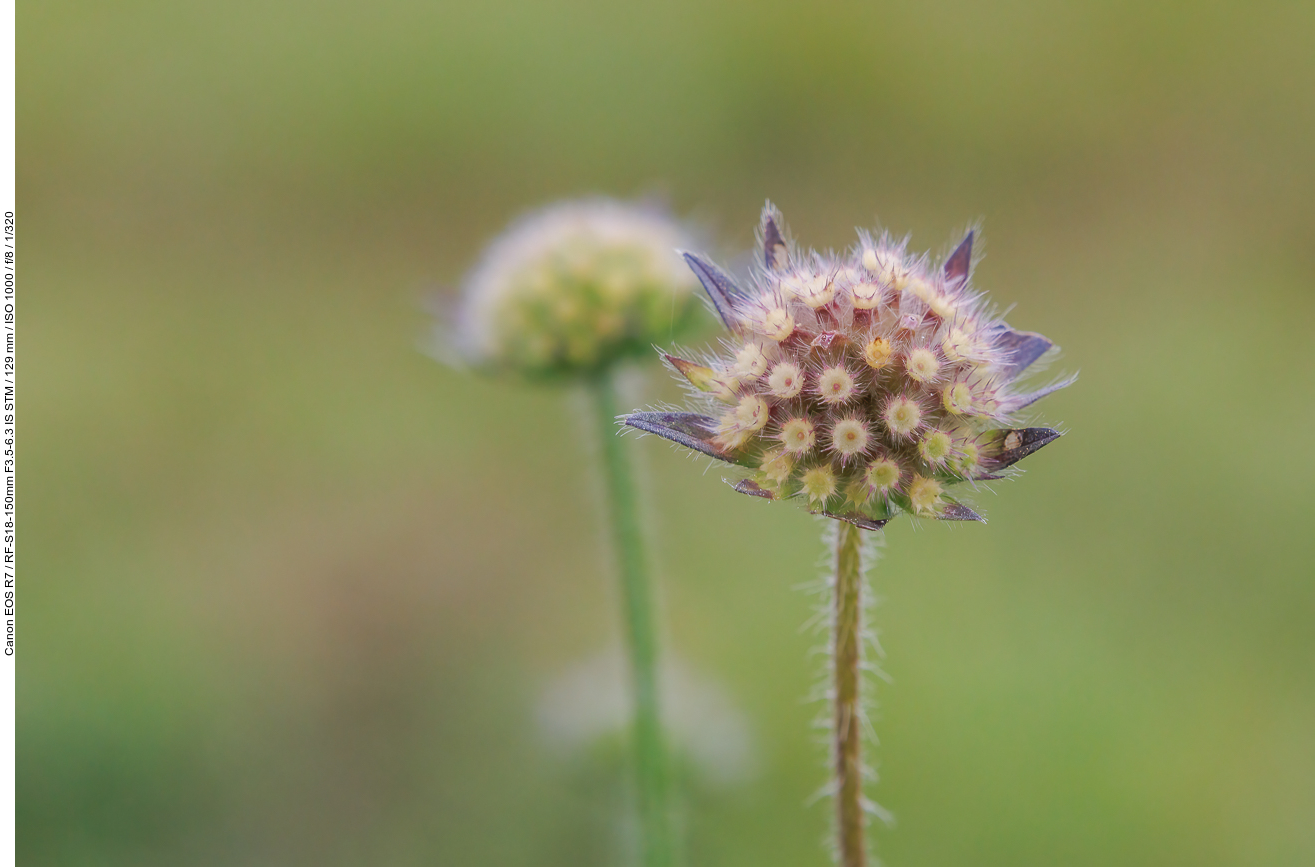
(866, 384)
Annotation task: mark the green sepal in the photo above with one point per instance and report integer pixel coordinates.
(702, 378)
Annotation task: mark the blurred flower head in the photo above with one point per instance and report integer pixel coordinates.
(864, 385)
(589, 702)
(575, 286)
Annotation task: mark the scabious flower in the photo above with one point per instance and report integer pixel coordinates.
(574, 287)
(865, 385)
(587, 703)
(568, 293)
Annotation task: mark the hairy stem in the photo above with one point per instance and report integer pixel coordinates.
(637, 596)
(847, 655)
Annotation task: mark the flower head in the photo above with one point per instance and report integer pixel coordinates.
(865, 384)
(575, 286)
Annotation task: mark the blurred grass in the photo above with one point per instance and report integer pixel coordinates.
(292, 588)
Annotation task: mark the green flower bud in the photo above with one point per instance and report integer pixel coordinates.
(574, 287)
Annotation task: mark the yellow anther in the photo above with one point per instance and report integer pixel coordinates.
(877, 353)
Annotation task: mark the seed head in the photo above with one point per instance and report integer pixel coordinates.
(874, 374)
(575, 286)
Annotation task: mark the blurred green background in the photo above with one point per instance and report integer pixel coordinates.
(294, 592)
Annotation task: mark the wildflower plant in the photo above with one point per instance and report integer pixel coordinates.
(862, 386)
(572, 289)
(567, 294)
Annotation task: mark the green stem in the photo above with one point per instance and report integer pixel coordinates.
(847, 656)
(637, 596)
